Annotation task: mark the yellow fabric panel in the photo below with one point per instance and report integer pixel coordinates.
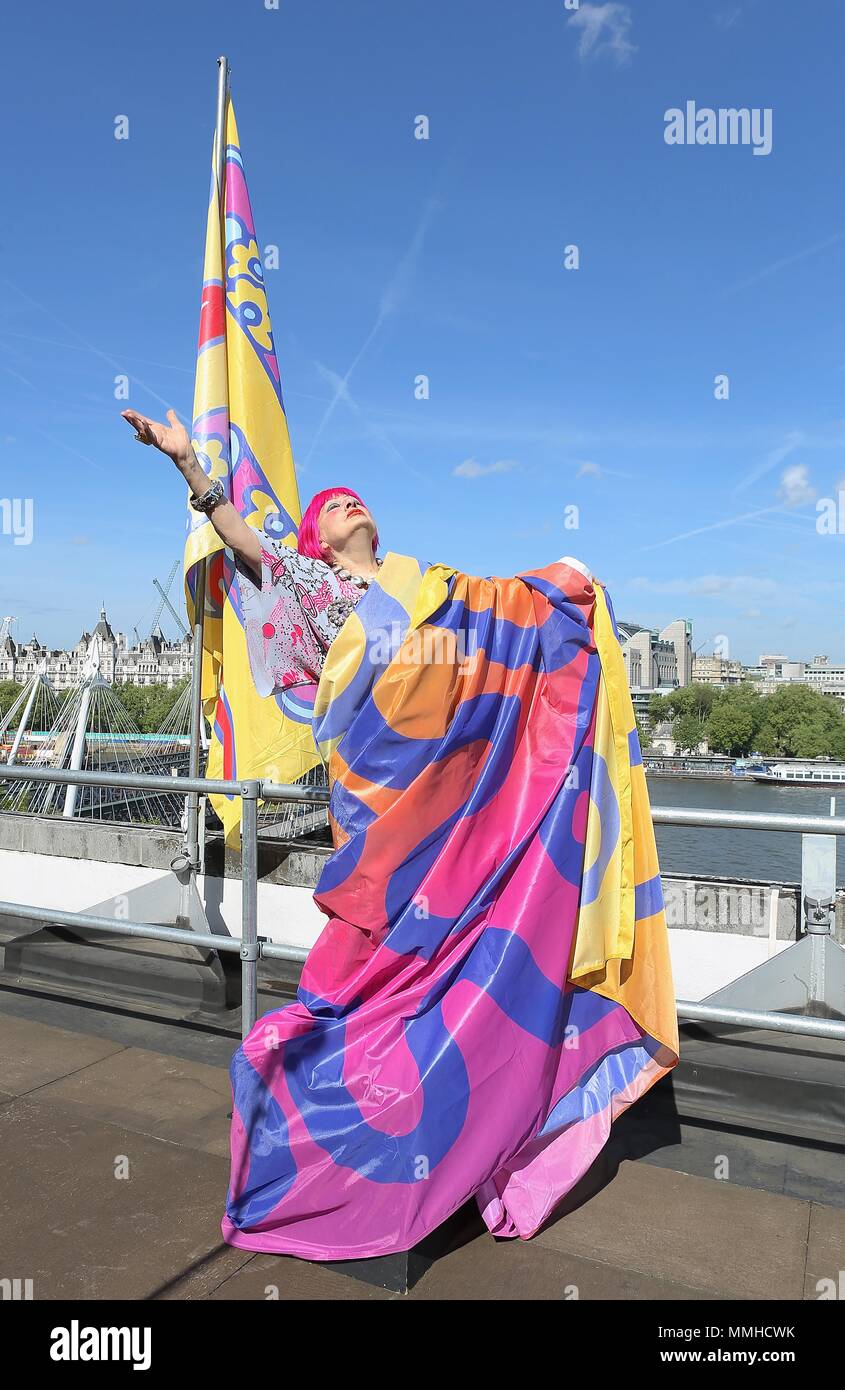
(605, 925)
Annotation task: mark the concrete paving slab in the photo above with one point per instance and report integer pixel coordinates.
(483, 1268)
(77, 1230)
(168, 1098)
(287, 1280)
(204, 1276)
(33, 1053)
(697, 1231)
(523, 1270)
(211, 1040)
(825, 1273)
(643, 1232)
(771, 1163)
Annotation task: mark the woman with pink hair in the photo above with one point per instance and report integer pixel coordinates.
(294, 601)
(494, 892)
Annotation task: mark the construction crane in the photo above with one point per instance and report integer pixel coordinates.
(163, 593)
(165, 600)
(6, 627)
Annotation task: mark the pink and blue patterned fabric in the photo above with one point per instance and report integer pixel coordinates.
(485, 791)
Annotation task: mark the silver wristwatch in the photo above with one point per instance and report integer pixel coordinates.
(209, 499)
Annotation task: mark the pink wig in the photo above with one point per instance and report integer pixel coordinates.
(308, 538)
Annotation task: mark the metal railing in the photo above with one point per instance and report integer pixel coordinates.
(247, 946)
(251, 949)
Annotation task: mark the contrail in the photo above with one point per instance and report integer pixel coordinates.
(98, 352)
(782, 264)
(792, 442)
(391, 298)
(713, 526)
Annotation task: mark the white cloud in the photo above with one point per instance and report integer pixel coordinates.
(470, 468)
(604, 30)
(588, 469)
(795, 487)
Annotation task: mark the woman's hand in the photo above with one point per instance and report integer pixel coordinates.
(172, 439)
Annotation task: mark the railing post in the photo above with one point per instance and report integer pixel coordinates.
(249, 914)
(192, 800)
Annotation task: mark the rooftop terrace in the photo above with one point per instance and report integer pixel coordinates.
(82, 1088)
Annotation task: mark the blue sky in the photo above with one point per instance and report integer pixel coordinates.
(550, 388)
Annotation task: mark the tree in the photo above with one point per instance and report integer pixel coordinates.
(687, 733)
(148, 705)
(9, 692)
(644, 732)
(731, 728)
(801, 723)
(735, 719)
(694, 700)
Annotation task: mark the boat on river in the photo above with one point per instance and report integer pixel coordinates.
(814, 772)
(749, 767)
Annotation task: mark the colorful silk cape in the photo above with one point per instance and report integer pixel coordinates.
(493, 985)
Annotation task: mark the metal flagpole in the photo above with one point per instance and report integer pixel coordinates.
(192, 799)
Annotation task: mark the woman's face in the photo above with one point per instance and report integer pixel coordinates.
(339, 518)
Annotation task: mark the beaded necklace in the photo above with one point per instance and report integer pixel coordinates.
(358, 580)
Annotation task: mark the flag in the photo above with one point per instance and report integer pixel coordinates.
(240, 435)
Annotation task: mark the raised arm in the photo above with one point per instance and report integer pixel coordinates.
(174, 441)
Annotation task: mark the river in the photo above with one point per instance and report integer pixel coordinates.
(757, 854)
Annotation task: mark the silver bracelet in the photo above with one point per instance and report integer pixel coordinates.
(209, 499)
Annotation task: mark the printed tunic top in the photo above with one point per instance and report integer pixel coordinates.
(293, 617)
